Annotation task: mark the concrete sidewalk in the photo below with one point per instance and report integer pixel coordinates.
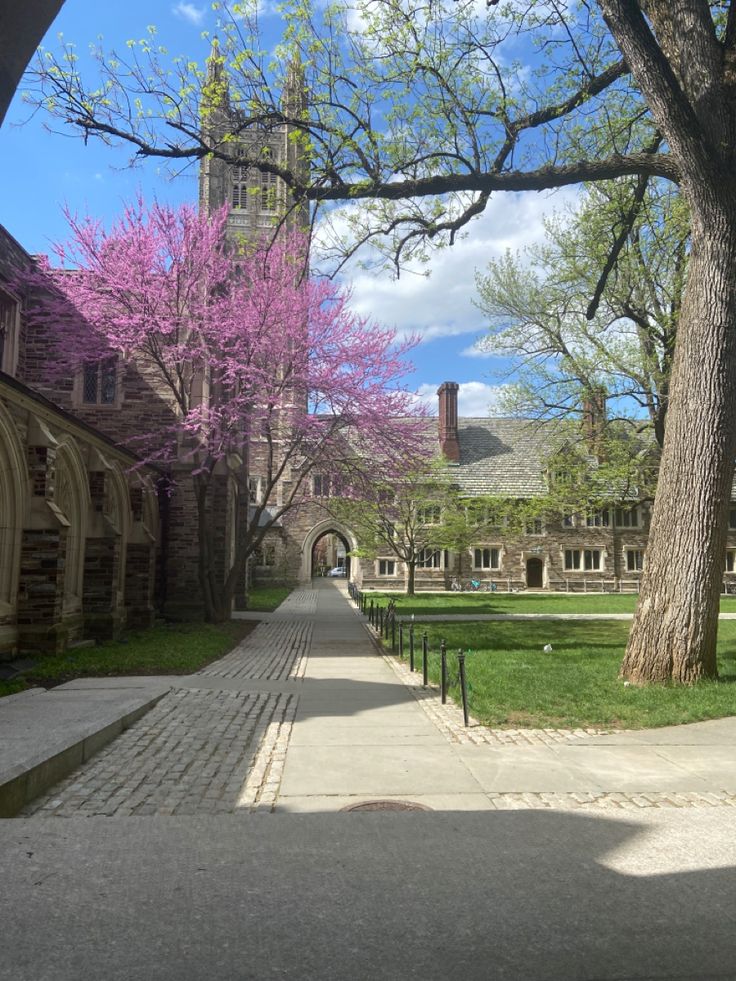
(359, 734)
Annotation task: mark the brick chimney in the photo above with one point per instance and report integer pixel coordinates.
(449, 445)
(594, 418)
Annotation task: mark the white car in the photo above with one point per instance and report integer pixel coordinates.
(337, 571)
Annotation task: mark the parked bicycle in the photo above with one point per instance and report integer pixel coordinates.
(476, 586)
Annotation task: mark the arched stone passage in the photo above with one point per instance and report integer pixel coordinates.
(140, 560)
(13, 494)
(120, 518)
(71, 495)
(329, 526)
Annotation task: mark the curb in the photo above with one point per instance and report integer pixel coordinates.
(22, 782)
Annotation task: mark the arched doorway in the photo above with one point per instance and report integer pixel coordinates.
(330, 552)
(348, 542)
(534, 573)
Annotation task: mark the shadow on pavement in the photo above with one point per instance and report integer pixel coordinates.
(518, 895)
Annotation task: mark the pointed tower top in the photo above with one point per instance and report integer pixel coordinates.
(295, 92)
(216, 91)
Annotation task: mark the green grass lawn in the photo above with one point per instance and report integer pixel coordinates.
(179, 648)
(171, 649)
(264, 599)
(471, 603)
(513, 683)
(12, 687)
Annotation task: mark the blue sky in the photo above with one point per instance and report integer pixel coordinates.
(41, 171)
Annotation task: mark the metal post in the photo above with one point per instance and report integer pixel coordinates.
(393, 633)
(411, 646)
(380, 621)
(401, 639)
(370, 614)
(425, 651)
(463, 686)
(443, 672)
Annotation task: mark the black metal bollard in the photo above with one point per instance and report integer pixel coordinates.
(393, 633)
(401, 639)
(370, 614)
(463, 686)
(443, 672)
(425, 651)
(411, 646)
(380, 621)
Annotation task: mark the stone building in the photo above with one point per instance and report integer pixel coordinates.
(79, 522)
(509, 459)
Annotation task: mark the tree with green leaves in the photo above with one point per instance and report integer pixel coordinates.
(411, 518)
(421, 111)
(572, 323)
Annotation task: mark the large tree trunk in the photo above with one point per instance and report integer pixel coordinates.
(673, 636)
(410, 573)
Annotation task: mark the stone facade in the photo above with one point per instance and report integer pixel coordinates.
(67, 529)
(67, 523)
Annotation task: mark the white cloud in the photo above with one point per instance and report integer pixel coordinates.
(188, 11)
(474, 351)
(441, 304)
(473, 398)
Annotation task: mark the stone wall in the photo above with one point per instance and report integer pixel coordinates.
(66, 524)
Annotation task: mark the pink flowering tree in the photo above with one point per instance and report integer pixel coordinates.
(267, 374)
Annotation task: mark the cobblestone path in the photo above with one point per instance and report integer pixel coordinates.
(200, 750)
(275, 651)
(196, 752)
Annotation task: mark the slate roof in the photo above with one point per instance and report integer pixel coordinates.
(504, 457)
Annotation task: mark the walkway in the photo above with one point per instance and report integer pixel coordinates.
(150, 862)
(305, 715)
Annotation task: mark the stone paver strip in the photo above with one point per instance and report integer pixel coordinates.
(608, 801)
(274, 651)
(202, 750)
(197, 752)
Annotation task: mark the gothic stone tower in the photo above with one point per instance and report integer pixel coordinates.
(256, 200)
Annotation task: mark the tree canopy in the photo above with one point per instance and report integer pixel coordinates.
(423, 110)
(573, 326)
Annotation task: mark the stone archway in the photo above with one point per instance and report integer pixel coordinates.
(71, 494)
(13, 495)
(326, 527)
(120, 517)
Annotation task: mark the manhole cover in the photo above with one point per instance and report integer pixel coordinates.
(387, 805)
